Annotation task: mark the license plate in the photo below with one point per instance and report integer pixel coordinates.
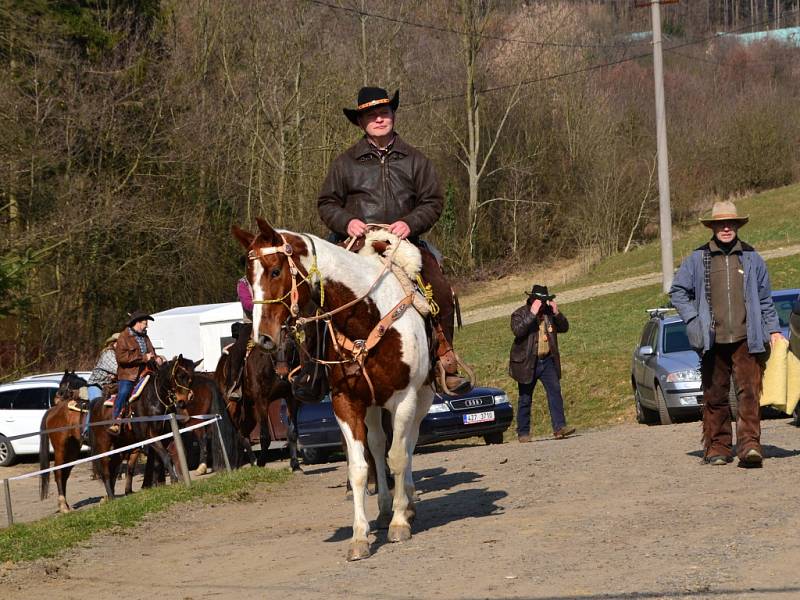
(481, 417)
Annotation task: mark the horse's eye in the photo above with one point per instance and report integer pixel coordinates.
(276, 272)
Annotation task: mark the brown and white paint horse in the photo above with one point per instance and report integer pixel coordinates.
(397, 368)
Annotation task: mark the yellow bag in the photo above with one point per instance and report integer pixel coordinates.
(774, 386)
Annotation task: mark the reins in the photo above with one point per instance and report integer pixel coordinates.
(357, 349)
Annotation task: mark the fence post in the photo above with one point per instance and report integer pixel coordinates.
(222, 445)
(9, 512)
(176, 436)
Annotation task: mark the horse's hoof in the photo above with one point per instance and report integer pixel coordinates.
(202, 469)
(399, 533)
(104, 499)
(358, 550)
(296, 468)
(383, 521)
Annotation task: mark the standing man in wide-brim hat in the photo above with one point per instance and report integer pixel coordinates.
(535, 357)
(723, 294)
(382, 179)
(133, 350)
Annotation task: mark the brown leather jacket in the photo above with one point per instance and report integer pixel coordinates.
(130, 360)
(362, 185)
(522, 363)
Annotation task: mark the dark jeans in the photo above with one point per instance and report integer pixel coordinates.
(546, 373)
(123, 393)
(715, 369)
(237, 354)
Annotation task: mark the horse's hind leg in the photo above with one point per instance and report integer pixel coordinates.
(376, 438)
(263, 438)
(133, 458)
(248, 450)
(61, 477)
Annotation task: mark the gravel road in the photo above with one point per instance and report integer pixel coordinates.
(626, 512)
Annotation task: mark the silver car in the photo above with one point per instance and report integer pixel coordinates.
(665, 371)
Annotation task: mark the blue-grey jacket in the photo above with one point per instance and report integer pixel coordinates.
(688, 295)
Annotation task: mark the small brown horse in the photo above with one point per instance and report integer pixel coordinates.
(66, 444)
(169, 384)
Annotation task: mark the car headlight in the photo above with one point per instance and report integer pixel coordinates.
(438, 407)
(501, 399)
(685, 375)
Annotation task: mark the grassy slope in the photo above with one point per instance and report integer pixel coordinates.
(773, 223)
(48, 537)
(596, 352)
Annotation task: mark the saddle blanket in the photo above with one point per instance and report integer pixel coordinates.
(137, 391)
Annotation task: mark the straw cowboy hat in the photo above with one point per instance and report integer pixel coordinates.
(112, 338)
(724, 211)
(370, 97)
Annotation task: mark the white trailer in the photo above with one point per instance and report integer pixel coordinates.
(197, 332)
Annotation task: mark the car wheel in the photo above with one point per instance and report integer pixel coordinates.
(644, 415)
(493, 438)
(733, 401)
(7, 455)
(663, 411)
(313, 456)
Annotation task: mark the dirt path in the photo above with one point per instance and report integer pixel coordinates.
(600, 289)
(627, 512)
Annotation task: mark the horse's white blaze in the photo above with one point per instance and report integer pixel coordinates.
(258, 297)
(357, 471)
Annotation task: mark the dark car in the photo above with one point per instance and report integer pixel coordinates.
(484, 412)
(665, 371)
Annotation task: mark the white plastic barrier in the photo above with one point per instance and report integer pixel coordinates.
(206, 420)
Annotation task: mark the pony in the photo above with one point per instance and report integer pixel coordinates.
(378, 356)
(167, 385)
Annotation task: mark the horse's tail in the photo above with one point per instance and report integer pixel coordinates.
(44, 458)
(229, 435)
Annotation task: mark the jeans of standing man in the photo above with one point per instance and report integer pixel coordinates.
(546, 373)
(94, 392)
(123, 393)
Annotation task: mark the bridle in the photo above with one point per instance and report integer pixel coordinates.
(172, 385)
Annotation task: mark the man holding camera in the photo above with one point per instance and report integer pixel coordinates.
(535, 357)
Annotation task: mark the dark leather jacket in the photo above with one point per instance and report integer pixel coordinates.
(522, 362)
(130, 359)
(401, 186)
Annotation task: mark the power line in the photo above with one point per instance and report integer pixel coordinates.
(441, 29)
(590, 68)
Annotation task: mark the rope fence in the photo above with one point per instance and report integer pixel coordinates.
(205, 421)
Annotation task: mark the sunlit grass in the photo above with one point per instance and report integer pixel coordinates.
(48, 537)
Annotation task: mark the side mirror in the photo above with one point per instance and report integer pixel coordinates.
(646, 351)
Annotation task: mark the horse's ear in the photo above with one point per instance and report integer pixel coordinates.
(266, 229)
(197, 363)
(245, 237)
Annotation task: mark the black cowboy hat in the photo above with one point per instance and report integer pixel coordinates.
(540, 292)
(138, 315)
(369, 97)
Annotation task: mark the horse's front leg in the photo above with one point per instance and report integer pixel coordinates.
(376, 438)
(61, 477)
(351, 422)
(263, 438)
(291, 435)
(404, 438)
(166, 461)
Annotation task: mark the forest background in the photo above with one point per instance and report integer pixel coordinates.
(134, 133)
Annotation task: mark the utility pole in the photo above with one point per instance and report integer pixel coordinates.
(665, 214)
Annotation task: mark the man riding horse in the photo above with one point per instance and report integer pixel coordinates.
(383, 179)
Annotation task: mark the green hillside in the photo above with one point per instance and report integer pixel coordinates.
(596, 352)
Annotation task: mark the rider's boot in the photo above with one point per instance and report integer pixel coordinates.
(454, 382)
